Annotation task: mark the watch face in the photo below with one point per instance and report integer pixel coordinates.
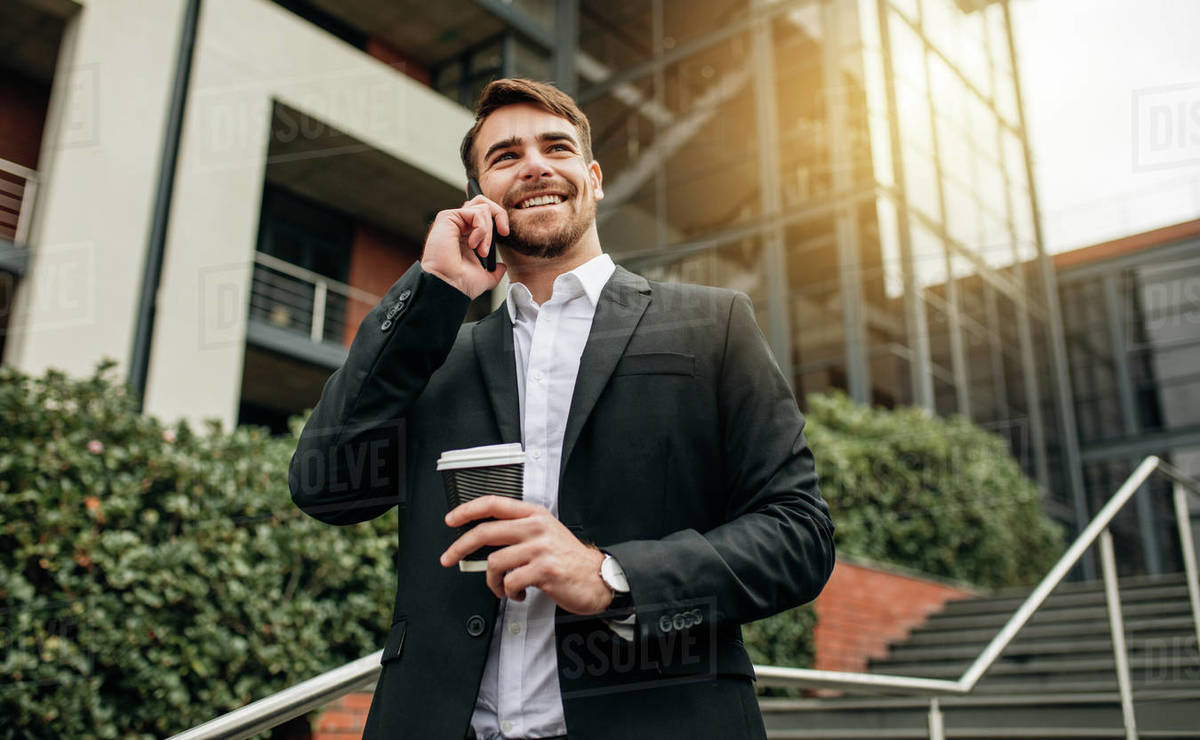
(613, 575)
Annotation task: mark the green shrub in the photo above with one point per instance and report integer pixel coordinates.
(153, 577)
(941, 496)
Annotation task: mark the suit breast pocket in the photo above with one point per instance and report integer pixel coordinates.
(656, 363)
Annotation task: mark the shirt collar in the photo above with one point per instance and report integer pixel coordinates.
(588, 279)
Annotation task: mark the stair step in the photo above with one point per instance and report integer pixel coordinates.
(980, 635)
(1008, 605)
(1019, 647)
(938, 622)
(1132, 589)
(982, 733)
(1175, 663)
(1014, 711)
(1024, 654)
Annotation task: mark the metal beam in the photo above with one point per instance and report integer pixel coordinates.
(1143, 443)
(566, 45)
(774, 256)
(1063, 397)
(916, 326)
(688, 48)
(858, 370)
(520, 22)
(1113, 305)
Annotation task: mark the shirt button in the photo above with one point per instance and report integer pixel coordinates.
(538, 374)
(506, 726)
(515, 628)
(537, 454)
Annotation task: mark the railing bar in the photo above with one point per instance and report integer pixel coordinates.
(1169, 470)
(309, 276)
(785, 676)
(12, 188)
(317, 333)
(1183, 520)
(291, 702)
(22, 232)
(1112, 598)
(937, 724)
(1058, 572)
(18, 170)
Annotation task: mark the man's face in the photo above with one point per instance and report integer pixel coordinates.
(531, 163)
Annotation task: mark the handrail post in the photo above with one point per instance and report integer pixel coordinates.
(937, 728)
(317, 334)
(1116, 623)
(25, 212)
(1183, 519)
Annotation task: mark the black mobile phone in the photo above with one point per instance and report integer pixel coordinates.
(488, 262)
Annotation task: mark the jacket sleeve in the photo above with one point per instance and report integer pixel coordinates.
(775, 549)
(348, 463)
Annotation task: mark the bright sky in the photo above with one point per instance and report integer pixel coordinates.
(1112, 100)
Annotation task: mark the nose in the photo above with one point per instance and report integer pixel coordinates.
(534, 165)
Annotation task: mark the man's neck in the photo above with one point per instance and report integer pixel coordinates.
(538, 273)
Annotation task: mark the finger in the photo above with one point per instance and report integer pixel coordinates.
(486, 533)
(495, 507)
(480, 238)
(516, 581)
(500, 216)
(502, 561)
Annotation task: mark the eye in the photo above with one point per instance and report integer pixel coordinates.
(503, 155)
(563, 147)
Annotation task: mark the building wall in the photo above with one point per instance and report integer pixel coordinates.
(377, 260)
(250, 53)
(98, 162)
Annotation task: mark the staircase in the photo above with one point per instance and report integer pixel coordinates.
(1056, 680)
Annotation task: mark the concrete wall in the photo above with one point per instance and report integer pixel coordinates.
(249, 54)
(100, 158)
(98, 164)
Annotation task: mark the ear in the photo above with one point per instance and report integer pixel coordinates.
(597, 179)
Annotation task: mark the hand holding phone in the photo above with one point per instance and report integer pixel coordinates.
(457, 231)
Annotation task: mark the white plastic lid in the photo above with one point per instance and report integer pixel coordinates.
(488, 455)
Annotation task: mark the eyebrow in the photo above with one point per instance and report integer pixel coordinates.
(515, 141)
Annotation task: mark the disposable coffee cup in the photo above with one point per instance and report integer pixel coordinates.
(481, 471)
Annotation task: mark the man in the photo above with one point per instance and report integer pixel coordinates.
(669, 493)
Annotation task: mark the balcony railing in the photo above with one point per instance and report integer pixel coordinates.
(364, 672)
(304, 302)
(18, 188)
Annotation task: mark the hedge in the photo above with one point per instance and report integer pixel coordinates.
(154, 576)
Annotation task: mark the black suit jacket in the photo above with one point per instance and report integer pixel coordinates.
(684, 457)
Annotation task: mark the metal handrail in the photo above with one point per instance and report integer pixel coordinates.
(26, 194)
(316, 692)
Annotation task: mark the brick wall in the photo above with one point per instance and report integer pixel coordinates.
(377, 260)
(343, 719)
(864, 607)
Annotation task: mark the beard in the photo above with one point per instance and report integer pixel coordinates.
(540, 237)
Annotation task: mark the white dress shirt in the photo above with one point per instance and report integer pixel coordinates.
(519, 695)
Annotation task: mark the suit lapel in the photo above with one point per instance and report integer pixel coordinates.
(620, 308)
(494, 351)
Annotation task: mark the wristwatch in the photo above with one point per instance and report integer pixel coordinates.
(614, 577)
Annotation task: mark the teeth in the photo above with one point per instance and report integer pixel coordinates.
(541, 200)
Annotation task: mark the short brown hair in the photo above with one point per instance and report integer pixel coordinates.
(513, 90)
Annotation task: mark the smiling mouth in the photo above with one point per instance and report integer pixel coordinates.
(538, 201)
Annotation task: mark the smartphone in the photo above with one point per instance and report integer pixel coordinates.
(488, 262)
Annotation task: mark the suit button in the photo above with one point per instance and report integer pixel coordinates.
(387, 324)
(404, 294)
(475, 625)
